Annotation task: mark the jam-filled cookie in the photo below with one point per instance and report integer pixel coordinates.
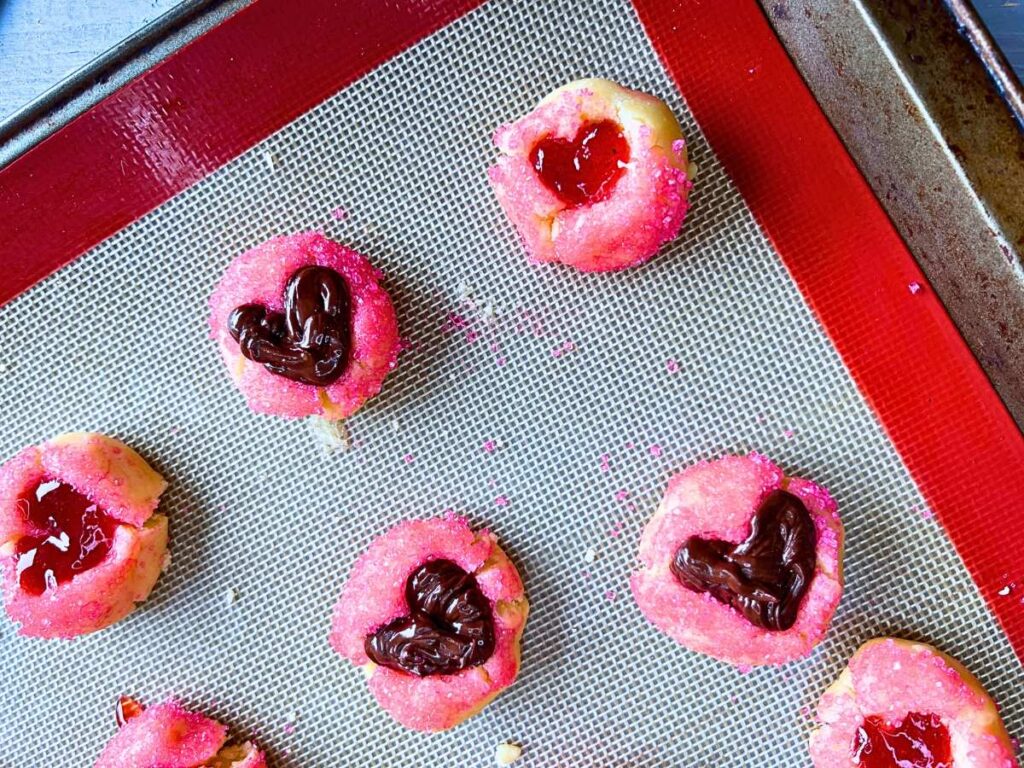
(741, 562)
(433, 612)
(594, 177)
(900, 704)
(80, 544)
(304, 327)
(169, 736)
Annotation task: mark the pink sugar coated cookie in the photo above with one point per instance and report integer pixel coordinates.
(125, 553)
(169, 736)
(259, 276)
(375, 595)
(718, 500)
(892, 679)
(623, 226)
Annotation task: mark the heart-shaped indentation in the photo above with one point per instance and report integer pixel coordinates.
(585, 169)
(918, 741)
(764, 577)
(71, 534)
(310, 341)
(449, 626)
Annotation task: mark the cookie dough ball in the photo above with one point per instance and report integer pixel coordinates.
(900, 704)
(433, 612)
(80, 543)
(304, 327)
(595, 177)
(741, 562)
(169, 736)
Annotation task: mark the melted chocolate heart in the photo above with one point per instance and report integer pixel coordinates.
(449, 626)
(918, 741)
(764, 577)
(310, 341)
(585, 169)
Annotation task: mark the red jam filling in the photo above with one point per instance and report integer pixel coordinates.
(585, 169)
(919, 741)
(72, 535)
(126, 709)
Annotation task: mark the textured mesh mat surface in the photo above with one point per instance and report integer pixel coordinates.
(559, 368)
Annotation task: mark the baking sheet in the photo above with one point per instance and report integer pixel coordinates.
(560, 369)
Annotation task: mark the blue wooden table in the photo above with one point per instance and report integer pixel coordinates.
(43, 41)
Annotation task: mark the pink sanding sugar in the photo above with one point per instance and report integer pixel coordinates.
(655, 450)
(501, 501)
(489, 446)
(672, 365)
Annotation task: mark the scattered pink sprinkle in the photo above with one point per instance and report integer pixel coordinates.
(408, 458)
(610, 595)
(501, 362)
(621, 495)
(926, 513)
(788, 434)
(655, 450)
(501, 501)
(563, 349)
(630, 445)
(744, 669)
(672, 365)
(175, 430)
(678, 145)
(489, 446)
(914, 288)
(339, 214)
(452, 322)
(605, 462)
(585, 575)
(472, 336)
(289, 728)
(616, 532)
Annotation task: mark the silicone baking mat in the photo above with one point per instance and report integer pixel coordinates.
(594, 388)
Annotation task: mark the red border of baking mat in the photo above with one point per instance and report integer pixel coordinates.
(954, 434)
(221, 94)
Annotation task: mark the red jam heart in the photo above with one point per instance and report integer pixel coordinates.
(919, 741)
(585, 169)
(71, 535)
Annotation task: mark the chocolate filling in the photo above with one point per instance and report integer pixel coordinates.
(764, 577)
(310, 341)
(449, 626)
